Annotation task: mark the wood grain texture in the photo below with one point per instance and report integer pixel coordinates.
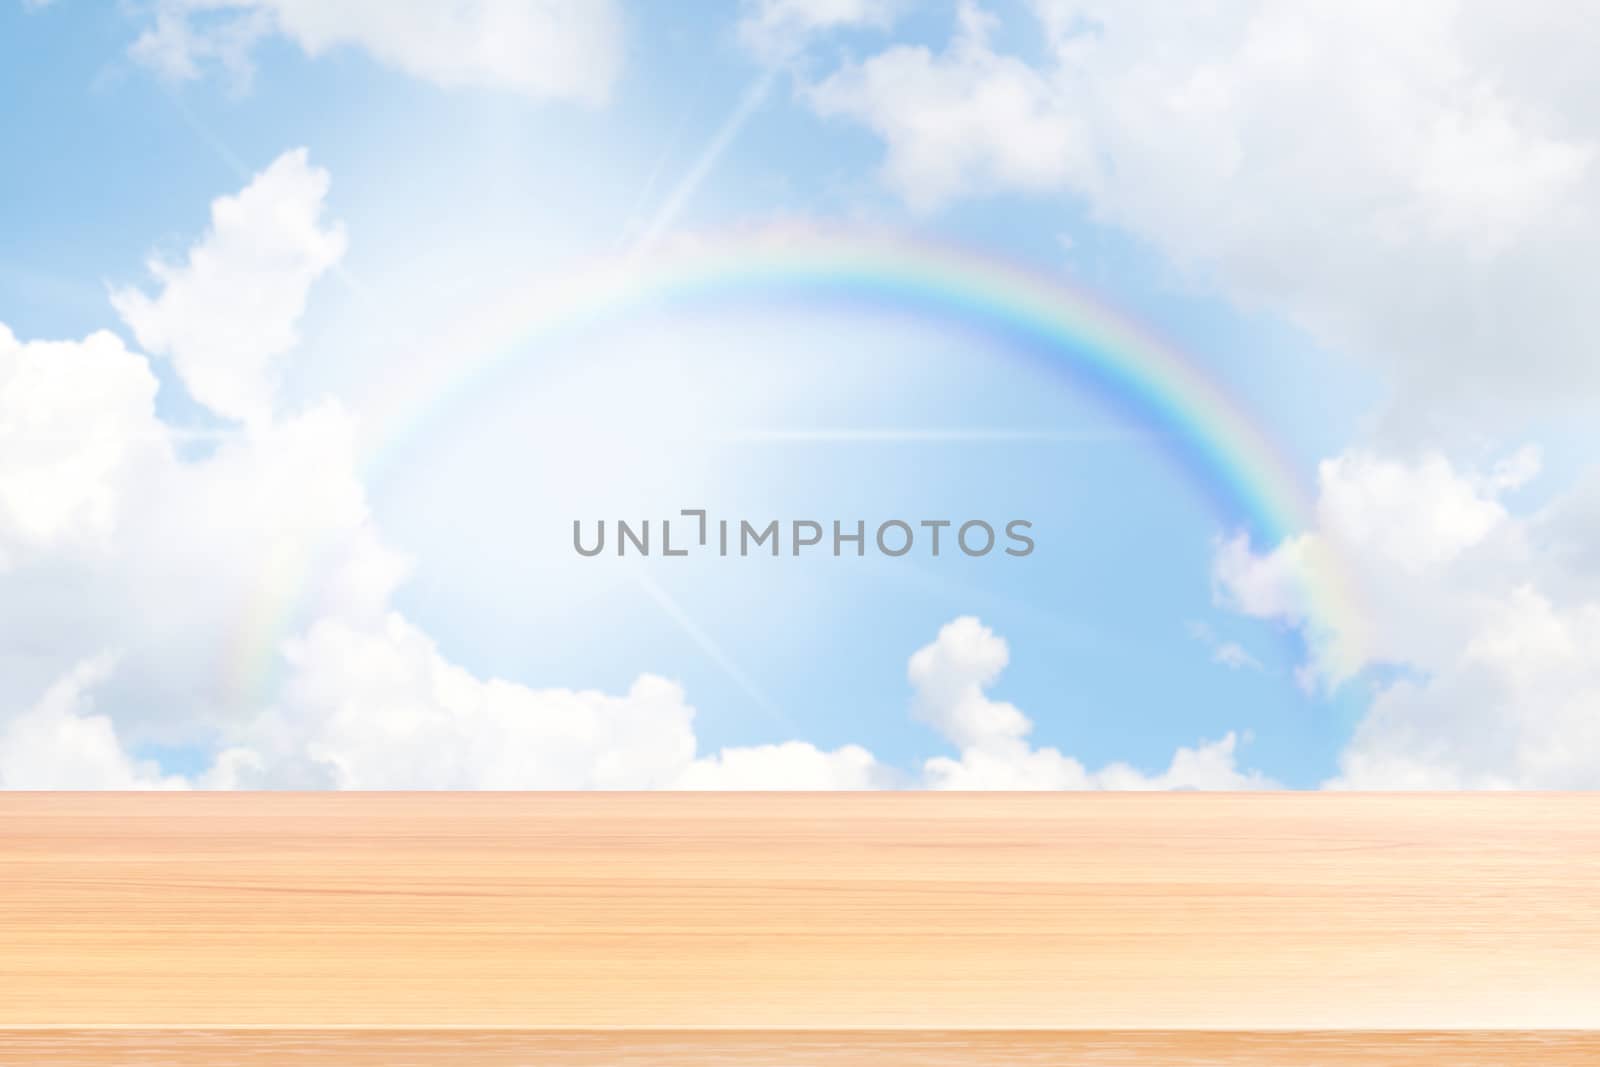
(1306, 912)
(790, 1048)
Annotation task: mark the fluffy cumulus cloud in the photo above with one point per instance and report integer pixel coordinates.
(1487, 623)
(117, 540)
(229, 312)
(1418, 184)
(60, 743)
(238, 599)
(967, 121)
(951, 677)
(379, 707)
(74, 418)
(555, 49)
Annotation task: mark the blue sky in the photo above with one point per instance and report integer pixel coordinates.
(426, 622)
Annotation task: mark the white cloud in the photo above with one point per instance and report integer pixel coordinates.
(382, 709)
(776, 29)
(1489, 621)
(790, 765)
(1417, 184)
(183, 565)
(112, 540)
(1229, 654)
(73, 418)
(950, 677)
(963, 122)
(59, 744)
(1010, 764)
(179, 45)
(545, 49)
(228, 314)
(1413, 537)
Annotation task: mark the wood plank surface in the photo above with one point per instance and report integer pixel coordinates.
(784, 912)
(791, 1048)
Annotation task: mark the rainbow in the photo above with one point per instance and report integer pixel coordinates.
(1204, 432)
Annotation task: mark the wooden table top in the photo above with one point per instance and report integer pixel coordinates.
(800, 912)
